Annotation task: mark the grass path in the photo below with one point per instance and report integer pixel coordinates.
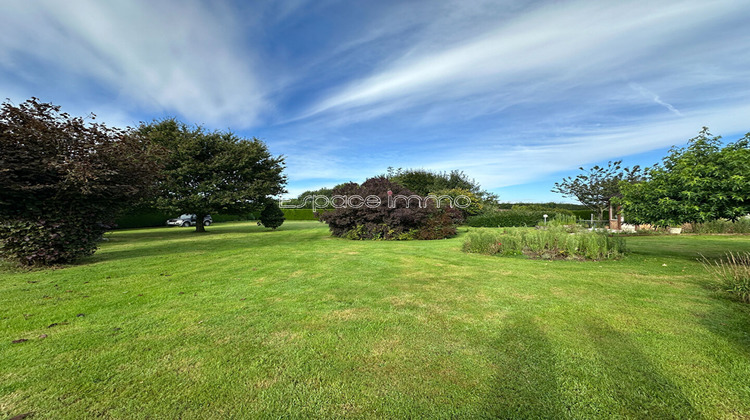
(241, 322)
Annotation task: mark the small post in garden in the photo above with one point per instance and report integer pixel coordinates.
(614, 218)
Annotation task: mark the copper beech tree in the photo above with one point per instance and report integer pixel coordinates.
(63, 179)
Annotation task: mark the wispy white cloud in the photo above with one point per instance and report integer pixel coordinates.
(552, 47)
(513, 164)
(542, 74)
(509, 91)
(181, 58)
(647, 93)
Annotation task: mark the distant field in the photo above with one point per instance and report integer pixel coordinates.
(242, 322)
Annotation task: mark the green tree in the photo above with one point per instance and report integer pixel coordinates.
(272, 216)
(422, 181)
(475, 204)
(697, 183)
(598, 186)
(213, 172)
(304, 200)
(63, 180)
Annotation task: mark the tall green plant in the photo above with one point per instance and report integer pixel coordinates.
(698, 183)
(732, 273)
(555, 242)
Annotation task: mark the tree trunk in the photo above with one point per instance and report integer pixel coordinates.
(199, 223)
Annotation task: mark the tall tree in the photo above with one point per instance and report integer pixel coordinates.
(213, 172)
(423, 181)
(63, 180)
(596, 187)
(697, 183)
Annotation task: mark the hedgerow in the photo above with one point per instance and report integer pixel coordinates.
(511, 218)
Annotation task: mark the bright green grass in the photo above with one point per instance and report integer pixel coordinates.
(242, 322)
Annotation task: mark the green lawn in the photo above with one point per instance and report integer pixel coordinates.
(241, 322)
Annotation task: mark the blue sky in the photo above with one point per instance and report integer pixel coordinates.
(517, 94)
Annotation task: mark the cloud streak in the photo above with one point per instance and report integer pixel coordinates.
(181, 58)
(509, 91)
(550, 47)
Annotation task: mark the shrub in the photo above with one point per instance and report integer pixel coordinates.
(272, 216)
(552, 243)
(721, 226)
(63, 181)
(49, 241)
(561, 219)
(439, 225)
(396, 220)
(732, 274)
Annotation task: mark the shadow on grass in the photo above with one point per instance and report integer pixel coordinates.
(217, 228)
(620, 381)
(525, 385)
(632, 381)
(730, 319)
(234, 237)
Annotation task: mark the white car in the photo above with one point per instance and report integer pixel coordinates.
(187, 220)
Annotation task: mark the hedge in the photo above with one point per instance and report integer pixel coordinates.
(218, 218)
(139, 219)
(153, 218)
(299, 214)
(586, 214)
(509, 218)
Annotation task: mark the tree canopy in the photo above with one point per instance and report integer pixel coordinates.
(213, 172)
(596, 187)
(697, 183)
(423, 181)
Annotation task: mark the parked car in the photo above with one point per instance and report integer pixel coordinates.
(187, 220)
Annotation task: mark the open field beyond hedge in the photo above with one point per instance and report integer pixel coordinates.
(242, 322)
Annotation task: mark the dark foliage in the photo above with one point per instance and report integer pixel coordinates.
(62, 181)
(272, 216)
(388, 222)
